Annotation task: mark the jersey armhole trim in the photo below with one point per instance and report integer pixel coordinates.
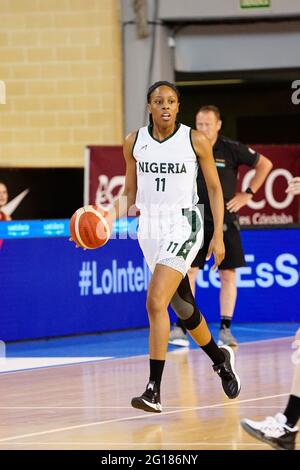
(192, 145)
(136, 137)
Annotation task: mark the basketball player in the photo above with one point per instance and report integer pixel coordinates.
(228, 155)
(280, 431)
(161, 169)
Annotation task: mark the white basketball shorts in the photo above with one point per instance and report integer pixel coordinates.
(172, 239)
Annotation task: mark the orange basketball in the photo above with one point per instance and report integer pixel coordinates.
(90, 227)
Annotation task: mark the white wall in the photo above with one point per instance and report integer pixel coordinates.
(136, 59)
(238, 47)
(202, 48)
(192, 10)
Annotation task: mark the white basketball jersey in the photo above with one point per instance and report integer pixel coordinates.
(166, 171)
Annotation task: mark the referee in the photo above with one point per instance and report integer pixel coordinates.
(228, 155)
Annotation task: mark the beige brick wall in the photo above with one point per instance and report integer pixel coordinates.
(61, 63)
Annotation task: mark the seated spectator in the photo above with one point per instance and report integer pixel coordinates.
(3, 202)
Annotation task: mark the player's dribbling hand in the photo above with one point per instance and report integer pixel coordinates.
(217, 248)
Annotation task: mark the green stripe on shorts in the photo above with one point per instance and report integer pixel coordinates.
(195, 224)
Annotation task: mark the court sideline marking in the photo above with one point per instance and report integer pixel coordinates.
(174, 351)
(106, 407)
(130, 418)
(128, 444)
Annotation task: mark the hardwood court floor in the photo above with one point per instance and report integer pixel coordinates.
(87, 406)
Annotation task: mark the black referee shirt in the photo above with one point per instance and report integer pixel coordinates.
(228, 155)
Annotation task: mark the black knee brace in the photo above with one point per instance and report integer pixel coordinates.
(183, 304)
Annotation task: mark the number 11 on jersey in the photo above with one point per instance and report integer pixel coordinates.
(160, 184)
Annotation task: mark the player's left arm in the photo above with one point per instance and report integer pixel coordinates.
(203, 150)
(262, 169)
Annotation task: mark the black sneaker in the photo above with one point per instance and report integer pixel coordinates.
(230, 380)
(149, 401)
(273, 430)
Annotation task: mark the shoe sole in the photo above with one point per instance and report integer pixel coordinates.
(258, 435)
(232, 361)
(179, 342)
(140, 404)
(232, 345)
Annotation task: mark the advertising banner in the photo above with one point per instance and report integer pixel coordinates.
(48, 288)
(272, 205)
(104, 175)
(105, 169)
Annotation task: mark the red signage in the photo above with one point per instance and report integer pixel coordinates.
(271, 204)
(105, 170)
(104, 175)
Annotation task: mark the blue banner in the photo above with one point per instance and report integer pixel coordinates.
(53, 228)
(49, 288)
(268, 287)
